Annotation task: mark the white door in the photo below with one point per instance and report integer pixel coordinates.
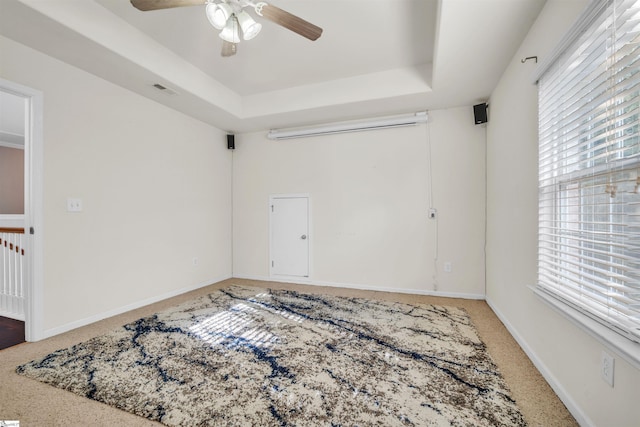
(289, 236)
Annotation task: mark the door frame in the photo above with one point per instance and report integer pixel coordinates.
(284, 278)
(33, 206)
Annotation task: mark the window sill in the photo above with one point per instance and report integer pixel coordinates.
(625, 348)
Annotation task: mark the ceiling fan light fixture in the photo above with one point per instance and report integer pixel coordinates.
(230, 32)
(211, 16)
(250, 28)
(220, 14)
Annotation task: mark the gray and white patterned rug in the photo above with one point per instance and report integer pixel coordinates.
(254, 357)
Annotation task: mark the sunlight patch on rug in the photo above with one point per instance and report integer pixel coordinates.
(249, 356)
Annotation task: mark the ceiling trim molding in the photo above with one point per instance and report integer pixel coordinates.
(11, 140)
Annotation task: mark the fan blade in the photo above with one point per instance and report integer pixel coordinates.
(289, 21)
(228, 49)
(146, 5)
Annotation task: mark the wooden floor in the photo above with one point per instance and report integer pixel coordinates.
(11, 332)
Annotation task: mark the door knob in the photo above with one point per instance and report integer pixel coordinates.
(304, 236)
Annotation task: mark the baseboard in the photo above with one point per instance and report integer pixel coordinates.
(364, 287)
(557, 387)
(110, 313)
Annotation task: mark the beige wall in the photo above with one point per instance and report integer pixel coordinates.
(567, 356)
(369, 202)
(11, 181)
(154, 183)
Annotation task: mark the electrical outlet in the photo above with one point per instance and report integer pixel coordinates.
(607, 368)
(74, 205)
(447, 267)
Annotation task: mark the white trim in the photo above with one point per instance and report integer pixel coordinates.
(4, 143)
(290, 279)
(289, 195)
(350, 126)
(577, 412)
(623, 347)
(133, 306)
(12, 221)
(364, 287)
(34, 193)
(36, 216)
(590, 12)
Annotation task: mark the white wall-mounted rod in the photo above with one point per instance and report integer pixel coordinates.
(342, 127)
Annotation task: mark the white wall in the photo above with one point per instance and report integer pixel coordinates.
(567, 356)
(155, 185)
(369, 202)
(11, 181)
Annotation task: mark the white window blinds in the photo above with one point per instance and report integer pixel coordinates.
(589, 170)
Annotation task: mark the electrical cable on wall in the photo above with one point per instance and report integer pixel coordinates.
(486, 200)
(232, 210)
(432, 211)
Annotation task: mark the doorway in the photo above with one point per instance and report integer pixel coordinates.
(289, 236)
(29, 221)
(12, 190)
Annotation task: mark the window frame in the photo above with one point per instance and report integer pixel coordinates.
(605, 332)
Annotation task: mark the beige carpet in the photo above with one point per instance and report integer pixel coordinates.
(37, 404)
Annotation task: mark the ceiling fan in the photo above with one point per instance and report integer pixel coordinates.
(230, 18)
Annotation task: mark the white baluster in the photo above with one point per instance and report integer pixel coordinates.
(12, 275)
(3, 270)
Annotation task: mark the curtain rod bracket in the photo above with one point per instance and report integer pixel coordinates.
(528, 58)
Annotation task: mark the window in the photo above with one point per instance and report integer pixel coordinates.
(589, 169)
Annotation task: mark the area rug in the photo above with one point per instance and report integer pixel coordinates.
(254, 357)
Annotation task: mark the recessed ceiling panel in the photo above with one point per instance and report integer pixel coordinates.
(359, 37)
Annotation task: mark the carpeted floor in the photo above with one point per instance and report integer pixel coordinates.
(38, 404)
(246, 356)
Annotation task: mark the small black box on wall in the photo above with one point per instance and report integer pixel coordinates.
(480, 113)
(231, 142)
